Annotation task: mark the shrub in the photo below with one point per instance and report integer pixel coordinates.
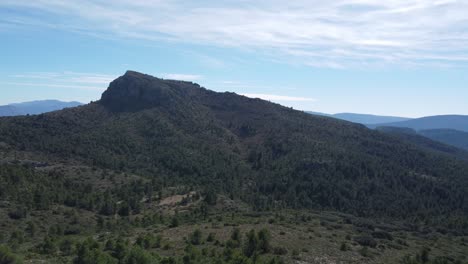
(344, 246)
(167, 246)
(236, 239)
(72, 230)
(251, 244)
(88, 252)
(138, 256)
(295, 254)
(382, 235)
(211, 237)
(264, 238)
(174, 222)
(148, 241)
(31, 228)
(366, 241)
(48, 246)
(280, 251)
(66, 246)
(17, 237)
(7, 257)
(364, 251)
(196, 237)
(17, 213)
(424, 256)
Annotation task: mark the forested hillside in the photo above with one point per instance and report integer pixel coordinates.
(177, 132)
(149, 138)
(431, 140)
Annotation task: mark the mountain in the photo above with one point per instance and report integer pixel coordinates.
(170, 168)
(180, 132)
(448, 136)
(448, 142)
(454, 122)
(369, 119)
(9, 110)
(35, 107)
(363, 118)
(447, 129)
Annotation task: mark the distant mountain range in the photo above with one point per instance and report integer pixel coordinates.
(456, 122)
(35, 107)
(364, 118)
(448, 129)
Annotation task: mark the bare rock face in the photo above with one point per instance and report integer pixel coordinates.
(136, 91)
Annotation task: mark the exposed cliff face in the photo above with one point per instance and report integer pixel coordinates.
(136, 91)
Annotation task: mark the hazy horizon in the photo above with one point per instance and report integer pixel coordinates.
(305, 110)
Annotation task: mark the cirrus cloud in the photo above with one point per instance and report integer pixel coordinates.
(66, 80)
(182, 77)
(337, 34)
(282, 98)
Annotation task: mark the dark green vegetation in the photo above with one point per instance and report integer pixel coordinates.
(164, 171)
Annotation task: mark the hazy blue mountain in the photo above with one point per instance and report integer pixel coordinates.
(455, 122)
(364, 118)
(369, 119)
(35, 107)
(448, 129)
(448, 136)
(8, 110)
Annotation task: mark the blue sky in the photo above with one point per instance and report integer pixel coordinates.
(395, 57)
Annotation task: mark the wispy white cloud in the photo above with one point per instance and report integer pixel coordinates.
(242, 87)
(67, 80)
(340, 33)
(49, 85)
(182, 77)
(281, 98)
